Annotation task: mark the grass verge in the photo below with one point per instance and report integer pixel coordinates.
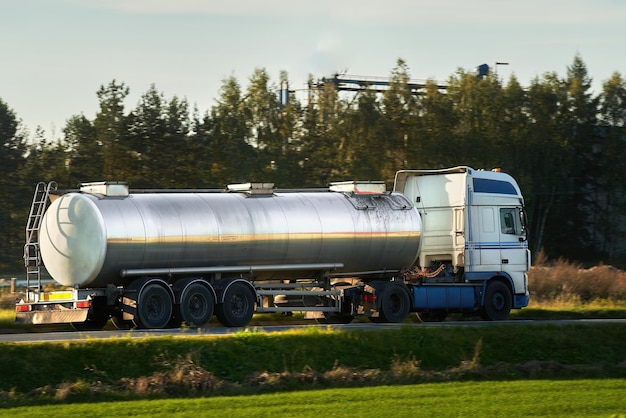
(249, 362)
(553, 398)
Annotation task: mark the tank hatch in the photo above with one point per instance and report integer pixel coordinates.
(252, 188)
(106, 188)
(359, 187)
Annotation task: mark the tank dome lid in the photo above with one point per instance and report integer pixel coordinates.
(106, 188)
(251, 188)
(359, 187)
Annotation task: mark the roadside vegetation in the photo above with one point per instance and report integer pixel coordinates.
(251, 363)
(564, 290)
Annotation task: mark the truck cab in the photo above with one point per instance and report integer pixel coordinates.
(473, 221)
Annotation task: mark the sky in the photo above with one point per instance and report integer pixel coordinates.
(55, 54)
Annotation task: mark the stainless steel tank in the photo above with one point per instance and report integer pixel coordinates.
(87, 240)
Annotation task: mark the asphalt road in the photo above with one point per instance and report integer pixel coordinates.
(220, 331)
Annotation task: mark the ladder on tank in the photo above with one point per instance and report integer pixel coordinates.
(32, 255)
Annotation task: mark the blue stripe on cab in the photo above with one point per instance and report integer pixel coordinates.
(495, 245)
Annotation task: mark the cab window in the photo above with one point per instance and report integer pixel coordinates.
(507, 221)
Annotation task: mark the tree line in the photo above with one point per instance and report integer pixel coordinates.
(560, 140)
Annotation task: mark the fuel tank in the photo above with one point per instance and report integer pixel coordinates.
(88, 239)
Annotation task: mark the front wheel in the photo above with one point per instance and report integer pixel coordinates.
(238, 306)
(498, 302)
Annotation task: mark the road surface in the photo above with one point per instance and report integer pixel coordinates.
(221, 331)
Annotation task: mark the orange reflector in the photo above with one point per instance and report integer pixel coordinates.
(83, 304)
(22, 308)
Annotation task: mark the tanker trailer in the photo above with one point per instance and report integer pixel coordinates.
(154, 259)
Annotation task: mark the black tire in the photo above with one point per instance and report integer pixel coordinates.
(432, 316)
(498, 302)
(154, 307)
(238, 306)
(395, 303)
(196, 305)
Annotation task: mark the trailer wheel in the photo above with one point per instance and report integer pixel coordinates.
(395, 303)
(154, 307)
(498, 302)
(238, 306)
(196, 305)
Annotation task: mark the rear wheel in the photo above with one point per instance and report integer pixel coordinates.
(498, 302)
(154, 307)
(395, 303)
(238, 306)
(196, 305)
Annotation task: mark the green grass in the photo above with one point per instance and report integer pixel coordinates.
(7, 317)
(545, 398)
(574, 370)
(504, 370)
(597, 309)
(251, 362)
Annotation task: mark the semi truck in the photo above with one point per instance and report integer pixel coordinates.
(441, 241)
